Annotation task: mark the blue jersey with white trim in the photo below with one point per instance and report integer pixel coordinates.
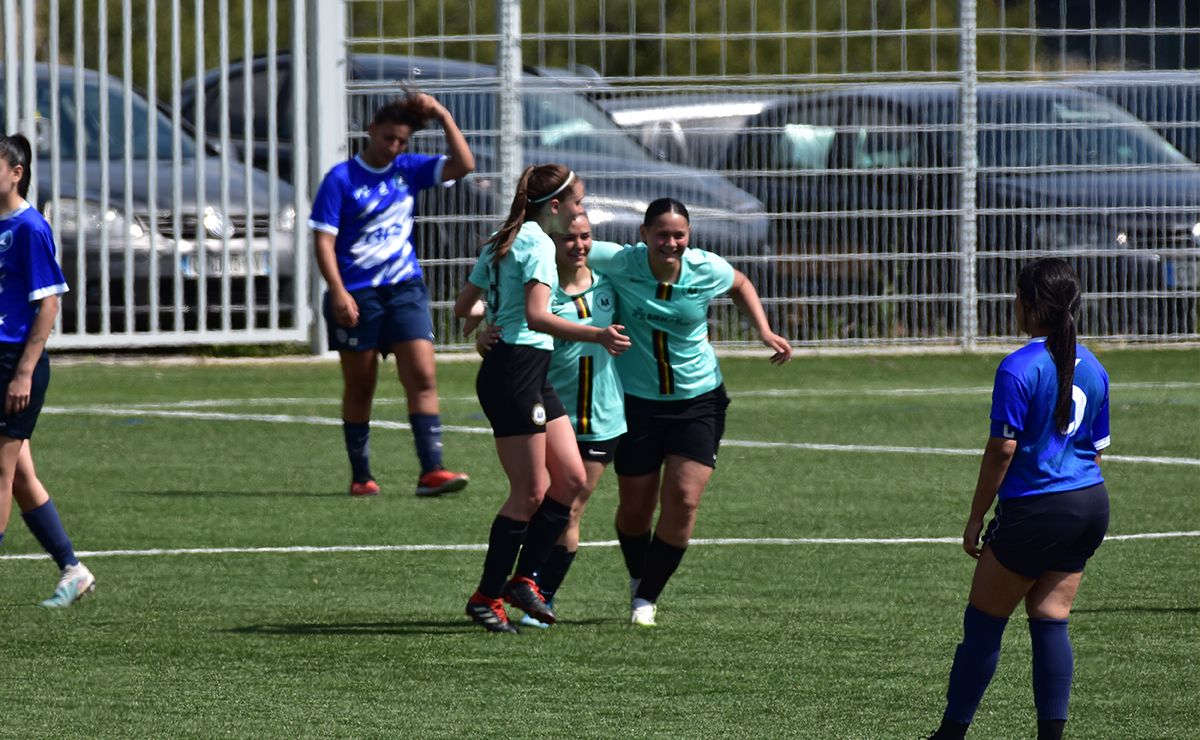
(370, 212)
(1048, 460)
(28, 271)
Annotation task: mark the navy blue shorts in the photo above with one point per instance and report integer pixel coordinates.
(387, 315)
(690, 428)
(20, 426)
(513, 390)
(1030, 535)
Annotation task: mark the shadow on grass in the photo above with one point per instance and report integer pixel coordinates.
(415, 627)
(236, 494)
(1140, 610)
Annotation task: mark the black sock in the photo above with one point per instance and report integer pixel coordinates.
(633, 548)
(950, 730)
(555, 570)
(358, 449)
(503, 544)
(545, 527)
(1051, 729)
(661, 561)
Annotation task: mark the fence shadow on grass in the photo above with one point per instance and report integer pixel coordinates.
(359, 629)
(236, 494)
(1139, 610)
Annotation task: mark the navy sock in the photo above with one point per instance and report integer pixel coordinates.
(975, 662)
(1053, 665)
(1051, 729)
(503, 544)
(555, 570)
(47, 528)
(1, 538)
(358, 449)
(427, 436)
(633, 549)
(545, 527)
(661, 561)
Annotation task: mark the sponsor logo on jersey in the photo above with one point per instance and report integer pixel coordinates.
(6, 240)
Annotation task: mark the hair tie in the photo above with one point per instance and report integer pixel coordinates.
(559, 189)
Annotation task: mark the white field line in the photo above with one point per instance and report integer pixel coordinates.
(383, 424)
(721, 541)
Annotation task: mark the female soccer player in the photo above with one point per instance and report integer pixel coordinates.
(534, 438)
(674, 396)
(30, 284)
(377, 302)
(1049, 423)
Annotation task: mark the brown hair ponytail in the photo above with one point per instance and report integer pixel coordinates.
(534, 190)
(1050, 294)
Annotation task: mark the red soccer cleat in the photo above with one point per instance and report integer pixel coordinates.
(369, 488)
(437, 482)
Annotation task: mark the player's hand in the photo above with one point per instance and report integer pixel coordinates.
(613, 340)
(345, 309)
(782, 347)
(487, 338)
(426, 104)
(16, 399)
(970, 540)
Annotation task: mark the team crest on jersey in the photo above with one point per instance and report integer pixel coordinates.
(604, 301)
(6, 240)
(538, 416)
(692, 291)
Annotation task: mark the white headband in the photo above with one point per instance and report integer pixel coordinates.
(559, 189)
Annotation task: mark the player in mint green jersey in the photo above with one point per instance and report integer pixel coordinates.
(674, 395)
(534, 439)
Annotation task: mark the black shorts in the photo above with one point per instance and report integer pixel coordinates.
(690, 428)
(601, 452)
(514, 392)
(1051, 532)
(20, 426)
(387, 315)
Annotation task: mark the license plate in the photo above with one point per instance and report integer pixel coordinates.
(214, 265)
(1182, 274)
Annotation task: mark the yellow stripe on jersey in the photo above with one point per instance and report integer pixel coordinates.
(664, 292)
(662, 354)
(583, 402)
(581, 308)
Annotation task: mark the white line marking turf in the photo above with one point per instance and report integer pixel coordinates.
(720, 541)
(333, 421)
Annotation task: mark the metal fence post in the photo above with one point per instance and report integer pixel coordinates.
(327, 134)
(969, 313)
(508, 101)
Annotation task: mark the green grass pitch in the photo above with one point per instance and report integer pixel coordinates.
(754, 640)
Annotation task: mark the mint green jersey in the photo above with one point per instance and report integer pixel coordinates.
(583, 373)
(531, 258)
(671, 358)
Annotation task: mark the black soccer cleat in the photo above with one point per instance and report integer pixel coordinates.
(489, 614)
(524, 594)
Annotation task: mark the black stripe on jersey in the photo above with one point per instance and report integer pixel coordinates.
(583, 404)
(581, 308)
(664, 292)
(662, 354)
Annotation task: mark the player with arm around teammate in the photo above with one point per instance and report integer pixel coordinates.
(1049, 423)
(675, 397)
(377, 301)
(30, 284)
(534, 438)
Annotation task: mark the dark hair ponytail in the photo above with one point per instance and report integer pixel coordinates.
(1050, 294)
(538, 184)
(15, 150)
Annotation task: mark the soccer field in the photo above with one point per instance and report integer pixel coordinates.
(822, 599)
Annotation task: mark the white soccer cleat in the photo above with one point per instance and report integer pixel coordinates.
(642, 613)
(76, 582)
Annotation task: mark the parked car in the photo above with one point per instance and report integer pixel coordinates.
(97, 237)
(1168, 102)
(862, 183)
(560, 125)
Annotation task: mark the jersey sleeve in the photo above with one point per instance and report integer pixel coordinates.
(480, 276)
(604, 255)
(722, 273)
(327, 205)
(421, 171)
(1010, 404)
(538, 264)
(1101, 437)
(45, 276)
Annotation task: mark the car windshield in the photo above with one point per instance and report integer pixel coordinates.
(70, 112)
(1047, 132)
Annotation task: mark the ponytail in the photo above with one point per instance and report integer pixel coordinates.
(538, 186)
(16, 151)
(1050, 294)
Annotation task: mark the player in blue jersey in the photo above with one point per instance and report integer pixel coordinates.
(377, 302)
(30, 284)
(674, 395)
(534, 438)
(1049, 423)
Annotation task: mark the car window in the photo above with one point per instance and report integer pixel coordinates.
(879, 138)
(798, 138)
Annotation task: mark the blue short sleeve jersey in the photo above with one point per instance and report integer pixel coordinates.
(583, 374)
(1047, 459)
(370, 213)
(671, 357)
(28, 271)
(531, 258)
